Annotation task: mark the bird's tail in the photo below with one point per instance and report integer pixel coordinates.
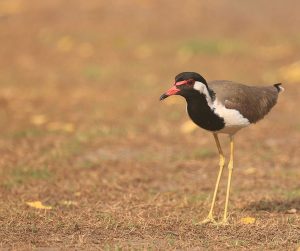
(279, 87)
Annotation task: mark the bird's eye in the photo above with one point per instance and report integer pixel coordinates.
(190, 82)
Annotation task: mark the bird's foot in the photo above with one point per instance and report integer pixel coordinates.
(208, 219)
(223, 222)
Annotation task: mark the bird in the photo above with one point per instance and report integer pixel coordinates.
(222, 106)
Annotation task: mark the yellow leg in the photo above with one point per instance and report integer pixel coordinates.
(210, 217)
(230, 168)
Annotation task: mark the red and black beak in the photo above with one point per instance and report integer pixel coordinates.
(172, 91)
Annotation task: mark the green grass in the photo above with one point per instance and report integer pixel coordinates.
(292, 194)
(22, 175)
(27, 133)
(92, 72)
(196, 198)
(201, 153)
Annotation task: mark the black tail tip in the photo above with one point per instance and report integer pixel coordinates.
(279, 87)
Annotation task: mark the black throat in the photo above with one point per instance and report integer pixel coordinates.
(201, 114)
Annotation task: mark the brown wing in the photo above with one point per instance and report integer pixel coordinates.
(253, 102)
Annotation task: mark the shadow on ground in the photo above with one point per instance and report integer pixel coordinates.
(274, 205)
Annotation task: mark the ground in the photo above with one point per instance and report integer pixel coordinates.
(83, 131)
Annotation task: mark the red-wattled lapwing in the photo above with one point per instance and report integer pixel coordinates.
(222, 106)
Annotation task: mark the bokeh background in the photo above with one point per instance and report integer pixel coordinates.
(90, 158)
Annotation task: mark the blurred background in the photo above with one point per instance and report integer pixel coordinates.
(82, 129)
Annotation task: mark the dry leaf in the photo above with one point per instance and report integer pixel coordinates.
(77, 194)
(38, 119)
(68, 127)
(188, 127)
(248, 220)
(65, 43)
(292, 211)
(69, 203)
(250, 170)
(38, 205)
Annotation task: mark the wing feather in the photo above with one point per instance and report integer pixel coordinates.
(253, 102)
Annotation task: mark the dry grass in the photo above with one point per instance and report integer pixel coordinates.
(82, 129)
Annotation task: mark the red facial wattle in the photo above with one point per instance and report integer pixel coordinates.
(184, 82)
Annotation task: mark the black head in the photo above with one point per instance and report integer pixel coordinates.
(184, 85)
(189, 75)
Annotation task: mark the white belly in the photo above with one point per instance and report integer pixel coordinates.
(233, 119)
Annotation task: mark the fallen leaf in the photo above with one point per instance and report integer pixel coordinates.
(68, 127)
(38, 119)
(65, 43)
(248, 220)
(38, 205)
(188, 127)
(77, 194)
(69, 203)
(292, 211)
(250, 170)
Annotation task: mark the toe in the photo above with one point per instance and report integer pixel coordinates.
(206, 221)
(224, 222)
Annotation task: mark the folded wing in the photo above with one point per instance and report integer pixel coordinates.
(253, 102)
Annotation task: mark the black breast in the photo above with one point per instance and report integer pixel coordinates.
(202, 115)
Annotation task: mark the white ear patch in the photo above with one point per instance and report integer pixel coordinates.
(200, 87)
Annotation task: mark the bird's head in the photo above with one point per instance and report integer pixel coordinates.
(186, 84)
